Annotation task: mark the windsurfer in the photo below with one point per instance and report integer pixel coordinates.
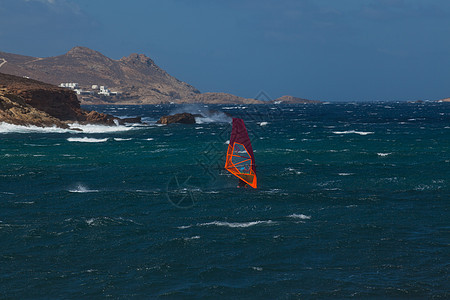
(240, 160)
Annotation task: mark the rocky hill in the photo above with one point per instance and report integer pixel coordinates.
(293, 100)
(136, 77)
(29, 102)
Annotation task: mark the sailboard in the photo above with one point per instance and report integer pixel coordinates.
(240, 160)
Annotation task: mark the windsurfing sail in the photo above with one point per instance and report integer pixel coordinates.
(240, 159)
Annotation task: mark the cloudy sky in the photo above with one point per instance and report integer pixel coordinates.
(316, 49)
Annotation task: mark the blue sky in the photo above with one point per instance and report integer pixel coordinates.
(317, 49)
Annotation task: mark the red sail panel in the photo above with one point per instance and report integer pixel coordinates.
(240, 159)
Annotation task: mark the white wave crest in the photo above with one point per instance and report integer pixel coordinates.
(205, 114)
(91, 128)
(263, 123)
(105, 221)
(292, 171)
(353, 131)
(184, 227)
(383, 154)
(122, 139)
(299, 216)
(74, 128)
(196, 237)
(87, 140)
(82, 189)
(237, 225)
(10, 128)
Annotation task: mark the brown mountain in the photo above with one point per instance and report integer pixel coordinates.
(137, 78)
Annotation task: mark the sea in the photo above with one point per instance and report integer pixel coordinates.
(353, 201)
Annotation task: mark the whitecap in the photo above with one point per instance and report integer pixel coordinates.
(257, 268)
(82, 189)
(149, 139)
(383, 154)
(122, 139)
(299, 216)
(293, 171)
(273, 191)
(87, 140)
(353, 131)
(104, 221)
(10, 128)
(237, 225)
(196, 237)
(263, 123)
(91, 128)
(184, 227)
(35, 145)
(345, 174)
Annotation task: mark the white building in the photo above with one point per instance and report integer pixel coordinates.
(106, 92)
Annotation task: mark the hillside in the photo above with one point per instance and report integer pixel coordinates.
(29, 102)
(136, 78)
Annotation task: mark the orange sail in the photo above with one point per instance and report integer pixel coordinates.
(240, 159)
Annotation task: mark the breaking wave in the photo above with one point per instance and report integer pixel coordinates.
(237, 225)
(10, 128)
(354, 132)
(91, 128)
(87, 140)
(383, 154)
(299, 216)
(82, 189)
(74, 128)
(203, 114)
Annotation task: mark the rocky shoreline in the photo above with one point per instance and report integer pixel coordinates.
(29, 102)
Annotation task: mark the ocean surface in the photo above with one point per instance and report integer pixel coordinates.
(353, 201)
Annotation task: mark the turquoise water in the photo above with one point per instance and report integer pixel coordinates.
(353, 202)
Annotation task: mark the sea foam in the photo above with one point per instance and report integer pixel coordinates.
(74, 128)
(383, 154)
(82, 189)
(87, 140)
(354, 132)
(10, 128)
(299, 216)
(237, 225)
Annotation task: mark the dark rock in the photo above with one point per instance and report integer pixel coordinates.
(131, 120)
(30, 102)
(14, 110)
(183, 118)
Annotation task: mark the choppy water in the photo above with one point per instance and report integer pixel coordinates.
(353, 201)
